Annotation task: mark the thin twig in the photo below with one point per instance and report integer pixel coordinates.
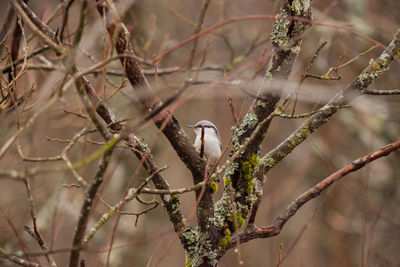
(171, 191)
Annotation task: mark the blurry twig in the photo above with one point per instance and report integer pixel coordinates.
(36, 159)
(230, 103)
(65, 19)
(324, 77)
(87, 206)
(181, 17)
(17, 260)
(35, 233)
(91, 111)
(197, 29)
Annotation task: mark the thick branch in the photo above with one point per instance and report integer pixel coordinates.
(286, 39)
(165, 121)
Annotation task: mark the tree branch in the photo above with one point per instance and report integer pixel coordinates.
(374, 70)
(253, 232)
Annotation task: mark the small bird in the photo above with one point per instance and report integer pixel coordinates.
(212, 141)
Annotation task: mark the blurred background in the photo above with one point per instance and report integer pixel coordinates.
(355, 223)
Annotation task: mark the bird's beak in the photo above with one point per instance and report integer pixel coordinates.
(190, 126)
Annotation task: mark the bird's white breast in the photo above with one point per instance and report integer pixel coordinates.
(212, 145)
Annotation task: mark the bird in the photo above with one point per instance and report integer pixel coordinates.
(212, 146)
